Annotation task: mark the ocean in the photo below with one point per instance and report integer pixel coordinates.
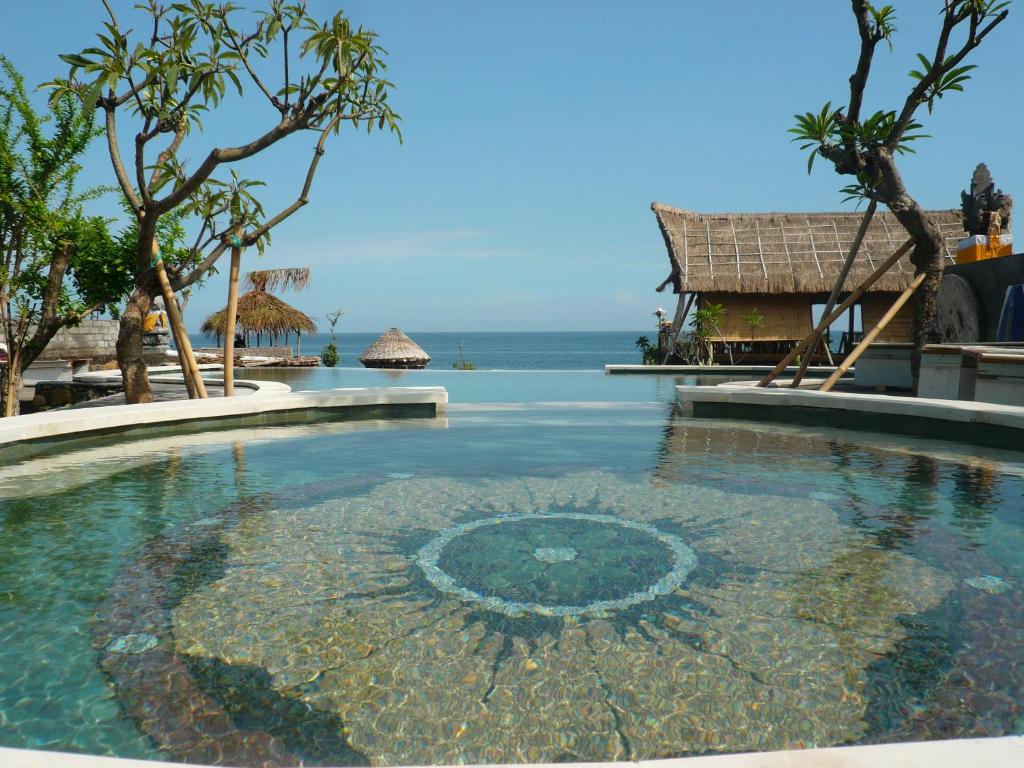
(548, 350)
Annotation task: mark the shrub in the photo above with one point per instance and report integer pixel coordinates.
(329, 356)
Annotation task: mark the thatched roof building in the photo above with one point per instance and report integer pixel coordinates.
(261, 314)
(783, 263)
(394, 350)
(787, 252)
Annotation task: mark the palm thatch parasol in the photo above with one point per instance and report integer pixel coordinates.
(296, 278)
(261, 313)
(394, 350)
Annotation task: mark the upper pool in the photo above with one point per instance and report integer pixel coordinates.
(562, 569)
(492, 386)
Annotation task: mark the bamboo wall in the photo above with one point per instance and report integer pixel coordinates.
(787, 317)
(900, 329)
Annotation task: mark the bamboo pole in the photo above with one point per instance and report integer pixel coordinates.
(232, 311)
(834, 296)
(186, 372)
(174, 316)
(871, 335)
(826, 321)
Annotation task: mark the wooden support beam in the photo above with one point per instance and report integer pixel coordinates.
(871, 335)
(232, 312)
(836, 289)
(186, 372)
(682, 308)
(827, 320)
(185, 355)
(667, 280)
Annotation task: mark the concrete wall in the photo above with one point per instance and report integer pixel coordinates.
(989, 280)
(94, 339)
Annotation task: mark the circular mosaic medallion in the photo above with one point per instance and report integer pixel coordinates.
(556, 564)
(308, 633)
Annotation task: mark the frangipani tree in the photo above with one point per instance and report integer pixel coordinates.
(865, 146)
(57, 265)
(315, 76)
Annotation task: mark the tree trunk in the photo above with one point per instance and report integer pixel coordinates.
(926, 256)
(12, 384)
(130, 354)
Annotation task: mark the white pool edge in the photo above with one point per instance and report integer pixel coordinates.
(1002, 752)
(270, 398)
(950, 411)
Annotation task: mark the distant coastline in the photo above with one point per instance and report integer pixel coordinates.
(502, 350)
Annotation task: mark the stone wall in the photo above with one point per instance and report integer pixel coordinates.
(57, 394)
(93, 339)
(989, 280)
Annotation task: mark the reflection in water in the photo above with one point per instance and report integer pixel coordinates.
(958, 671)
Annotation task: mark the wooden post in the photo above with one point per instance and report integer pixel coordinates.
(834, 296)
(682, 308)
(849, 329)
(174, 316)
(229, 320)
(186, 372)
(826, 320)
(871, 335)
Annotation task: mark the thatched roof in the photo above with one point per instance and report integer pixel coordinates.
(263, 313)
(787, 252)
(274, 279)
(394, 347)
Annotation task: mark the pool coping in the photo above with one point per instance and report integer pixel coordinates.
(991, 752)
(992, 424)
(725, 371)
(271, 404)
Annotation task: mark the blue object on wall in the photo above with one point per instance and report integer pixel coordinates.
(1011, 320)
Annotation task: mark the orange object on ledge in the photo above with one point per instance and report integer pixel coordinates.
(978, 248)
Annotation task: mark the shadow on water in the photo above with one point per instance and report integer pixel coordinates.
(248, 697)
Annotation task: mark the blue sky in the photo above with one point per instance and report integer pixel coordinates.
(538, 133)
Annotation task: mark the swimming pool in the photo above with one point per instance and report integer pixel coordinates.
(526, 580)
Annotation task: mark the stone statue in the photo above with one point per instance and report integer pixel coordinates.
(981, 201)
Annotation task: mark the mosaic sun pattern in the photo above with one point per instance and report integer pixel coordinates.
(584, 617)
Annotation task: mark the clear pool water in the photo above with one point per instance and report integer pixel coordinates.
(525, 580)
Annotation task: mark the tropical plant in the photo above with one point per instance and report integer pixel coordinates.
(865, 146)
(753, 320)
(332, 320)
(57, 265)
(648, 352)
(462, 364)
(177, 69)
(329, 355)
(705, 324)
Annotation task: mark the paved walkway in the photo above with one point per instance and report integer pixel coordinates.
(163, 393)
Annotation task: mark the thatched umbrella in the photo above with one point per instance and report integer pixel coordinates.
(394, 350)
(261, 313)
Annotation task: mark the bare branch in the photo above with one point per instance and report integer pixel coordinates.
(163, 157)
(868, 41)
(201, 268)
(140, 169)
(287, 81)
(251, 237)
(115, 159)
(240, 49)
(940, 66)
(230, 155)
